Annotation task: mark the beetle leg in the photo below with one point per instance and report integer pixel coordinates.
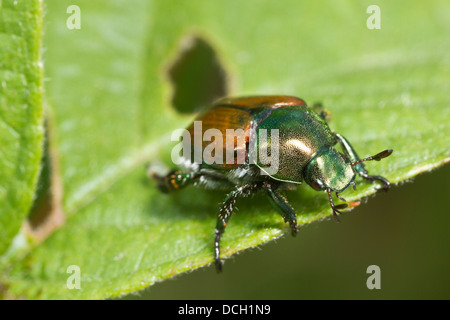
(225, 212)
(335, 207)
(174, 180)
(320, 110)
(359, 168)
(384, 181)
(281, 204)
(340, 198)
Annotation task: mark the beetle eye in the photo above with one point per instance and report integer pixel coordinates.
(316, 184)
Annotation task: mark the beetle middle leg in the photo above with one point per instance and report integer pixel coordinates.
(280, 204)
(358, 166)
(225, 212)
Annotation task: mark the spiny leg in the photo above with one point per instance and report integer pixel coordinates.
(357, 164)
(225, 212)
(175, 180)
(281, 204)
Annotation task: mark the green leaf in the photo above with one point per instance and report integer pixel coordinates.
(21, 130)
(110, 96)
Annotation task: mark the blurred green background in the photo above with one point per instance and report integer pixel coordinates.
(404, 231)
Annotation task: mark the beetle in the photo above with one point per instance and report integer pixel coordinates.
(305, 153)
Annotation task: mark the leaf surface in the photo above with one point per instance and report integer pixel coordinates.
(110, 96)
(21, 132)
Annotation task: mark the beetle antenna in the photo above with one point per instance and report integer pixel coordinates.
(377, 157)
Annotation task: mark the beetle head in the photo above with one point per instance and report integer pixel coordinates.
(329, 170)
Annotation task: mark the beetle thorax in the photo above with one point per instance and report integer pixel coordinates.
(300, 135)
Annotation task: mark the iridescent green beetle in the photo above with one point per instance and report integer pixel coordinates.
(305, 152)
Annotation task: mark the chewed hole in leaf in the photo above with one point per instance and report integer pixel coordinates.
(46, 213)
(197, 76)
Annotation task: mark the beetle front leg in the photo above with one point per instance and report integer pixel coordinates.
(225, 212)
(280, 204)
(359, 168)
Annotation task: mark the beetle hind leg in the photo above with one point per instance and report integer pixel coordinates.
(174, 180)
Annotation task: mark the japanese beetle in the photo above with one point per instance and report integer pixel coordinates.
(305, 152)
